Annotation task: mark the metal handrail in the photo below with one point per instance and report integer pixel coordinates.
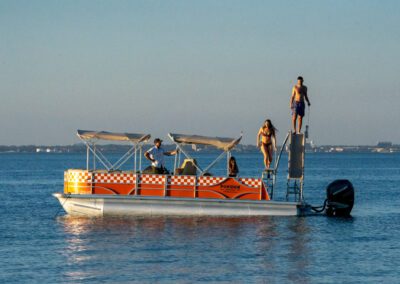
(280, 152)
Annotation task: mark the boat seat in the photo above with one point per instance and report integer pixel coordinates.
(153, 171)
(178, 171)
(188, 167)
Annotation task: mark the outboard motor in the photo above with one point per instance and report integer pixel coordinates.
(339, 198)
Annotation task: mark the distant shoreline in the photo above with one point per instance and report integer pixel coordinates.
(112, 148)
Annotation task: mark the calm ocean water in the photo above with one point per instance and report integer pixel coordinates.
(39, 243)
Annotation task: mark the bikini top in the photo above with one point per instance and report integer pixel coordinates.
(268, 134)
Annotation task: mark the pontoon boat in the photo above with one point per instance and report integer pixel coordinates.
(189, 190)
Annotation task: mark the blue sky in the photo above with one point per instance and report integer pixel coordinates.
(204, 67)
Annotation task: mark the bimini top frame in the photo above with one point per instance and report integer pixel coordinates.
(90, 138)
(224, 144)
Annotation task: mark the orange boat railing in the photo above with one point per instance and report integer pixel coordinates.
(180, 186)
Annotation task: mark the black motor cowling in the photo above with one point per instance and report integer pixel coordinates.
(340, 198)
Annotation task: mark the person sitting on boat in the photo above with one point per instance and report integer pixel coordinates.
(233, 167)
(267, 143)
(156, 155)
(299, 94)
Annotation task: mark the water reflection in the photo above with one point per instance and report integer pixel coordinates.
(298, 253)
(186, 248)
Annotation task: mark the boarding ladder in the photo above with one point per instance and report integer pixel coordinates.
(295, 177)
(269, 175)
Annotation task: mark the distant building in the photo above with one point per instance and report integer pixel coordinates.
(336, 149)
(384, 144)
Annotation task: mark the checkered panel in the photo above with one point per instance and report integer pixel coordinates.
(152, 179)
(208, 181)
(124, 178)
(182, 180)
(77, 176)
(252, 182)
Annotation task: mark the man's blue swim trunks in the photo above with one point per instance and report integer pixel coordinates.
(298, 108)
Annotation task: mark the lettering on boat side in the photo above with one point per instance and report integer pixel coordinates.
(230, 188)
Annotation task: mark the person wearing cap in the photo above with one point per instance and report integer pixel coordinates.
(299, 94)
(156, 156)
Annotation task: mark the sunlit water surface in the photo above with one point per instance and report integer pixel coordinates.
(39, 243)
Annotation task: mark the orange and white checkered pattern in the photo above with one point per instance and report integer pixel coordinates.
(152, 179)
(208, 181)
(81, 176)
(77, 176)
(252, 182)
(182, 180)
(124, 178)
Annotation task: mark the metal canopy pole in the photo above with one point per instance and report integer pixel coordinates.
(134, 164)
(202, 172)
(97, 154)
(118, 166)
(94, 157)
(101, 156)
(179, 157)
(123, 159)
(140, 158)
(188, 156)
(87, 157)
(213, 163)
(175, 161)
(228, 157)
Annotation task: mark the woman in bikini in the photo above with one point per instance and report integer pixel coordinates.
(267, 143)
(233, 167)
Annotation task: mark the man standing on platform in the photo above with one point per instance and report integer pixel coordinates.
(299, 94)
(156, 156)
